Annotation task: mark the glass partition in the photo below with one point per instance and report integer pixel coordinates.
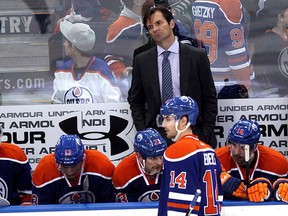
(246, 42)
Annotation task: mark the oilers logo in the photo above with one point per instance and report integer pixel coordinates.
(121, 197)
(283, 62)
(150, 196)
(35, 199)
(3, 189)
(78, 95)
(77, 197)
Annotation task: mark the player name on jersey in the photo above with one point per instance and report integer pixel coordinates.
(201, 11)
(209, 159)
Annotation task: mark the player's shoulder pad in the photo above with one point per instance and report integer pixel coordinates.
(12, 152)
(65, 67)
(232, 10)
(99, 163)
(277, 162)
(121, 24)
(45, 171)
(223, 155)
(188, 145)
(101, 67)
(220, 151)
(126, 170)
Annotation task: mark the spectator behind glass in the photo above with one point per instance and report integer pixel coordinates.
(123, 36)
(73, 175)
(246, 174)
(96, 13)
(137, 177)
(191, 76)
(43, 19)
(224, 33)
(15, 175)
(271, 60)
(89, 10)
(84, 78)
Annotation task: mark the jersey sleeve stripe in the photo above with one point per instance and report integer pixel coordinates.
(247, 64)
(235, 52)
(271, 173)
(98, 174)
(174, 213)
(47, 183)
(177, 205)
(181, 196)
(13, 160)
(127, 183)
(220, 70)
(188, 155)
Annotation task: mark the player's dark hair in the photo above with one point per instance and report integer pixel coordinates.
(159, 8)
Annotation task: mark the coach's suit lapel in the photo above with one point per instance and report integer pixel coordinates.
(153, 73)
(184, 68)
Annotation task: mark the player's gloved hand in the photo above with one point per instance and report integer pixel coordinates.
(259, 190)
(233, 188)
(280, 188)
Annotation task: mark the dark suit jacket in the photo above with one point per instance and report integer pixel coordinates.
(195, 81)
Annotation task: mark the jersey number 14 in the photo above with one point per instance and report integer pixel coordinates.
(210, 193)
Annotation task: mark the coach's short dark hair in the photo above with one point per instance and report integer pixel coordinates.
(164, 10)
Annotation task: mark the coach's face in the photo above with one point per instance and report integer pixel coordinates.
(159, 29)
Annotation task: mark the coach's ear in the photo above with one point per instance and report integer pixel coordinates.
(172, 24)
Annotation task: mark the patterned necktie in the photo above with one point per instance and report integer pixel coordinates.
(167, 90)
